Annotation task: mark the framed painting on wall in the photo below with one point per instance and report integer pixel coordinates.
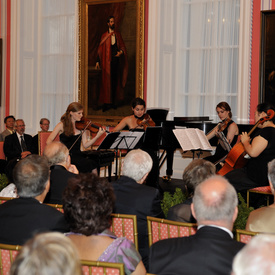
(111, 57)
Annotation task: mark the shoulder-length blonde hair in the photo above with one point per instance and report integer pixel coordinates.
(66, 118)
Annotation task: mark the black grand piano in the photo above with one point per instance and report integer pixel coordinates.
(169, 143)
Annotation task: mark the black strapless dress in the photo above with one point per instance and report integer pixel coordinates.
(78, 158)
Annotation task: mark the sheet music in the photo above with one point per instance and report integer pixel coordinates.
(127, 140)
(192, 139)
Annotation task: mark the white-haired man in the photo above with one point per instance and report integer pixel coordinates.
(135, 198)
(257, 257)
(212, 249)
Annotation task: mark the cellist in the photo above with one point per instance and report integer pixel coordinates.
(261, 150)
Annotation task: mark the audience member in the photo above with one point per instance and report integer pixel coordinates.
(47, 253)
(212, 249)
(196, 172)
(17, 146)
(135, 198)
(88, 204)
(26, 215)
(9, 122)
(62, 170)
(257, 257)
(263, 219)
(44, 125)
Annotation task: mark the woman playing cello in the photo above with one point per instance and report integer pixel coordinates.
(73, 138)
(261, 150)
(227, 127)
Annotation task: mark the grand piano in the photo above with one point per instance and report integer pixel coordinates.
(169, 143)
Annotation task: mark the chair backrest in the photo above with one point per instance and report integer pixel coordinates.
(2, 154)
(59, 207)
(7, 256)
(244, 236)
(4, 199)
(160, 229)
(42, 138)
(95, 267)
(125, 226)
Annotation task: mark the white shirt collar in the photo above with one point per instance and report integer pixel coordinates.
(220, 227)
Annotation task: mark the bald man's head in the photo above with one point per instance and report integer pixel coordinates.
(215, 202)
(56, 153)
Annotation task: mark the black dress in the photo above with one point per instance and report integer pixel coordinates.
(78, 158)
(220, 152)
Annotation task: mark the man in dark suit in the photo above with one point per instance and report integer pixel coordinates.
(17, 146)
(132, 197)
(25, 216)
(62, 170)
(212, 249)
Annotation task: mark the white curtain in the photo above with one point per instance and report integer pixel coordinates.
(57, 72)
(197, 54)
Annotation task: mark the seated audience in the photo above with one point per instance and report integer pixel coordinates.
(263, 219)
(9, 122)
(196, 172)
(88, 203)
(17, 146)
(22, 217)
(48, 253)
(62, 170)
(257, 257)
(135, 198)
(44, 125)
(212, 249)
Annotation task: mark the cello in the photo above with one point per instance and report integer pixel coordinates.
(236, 157)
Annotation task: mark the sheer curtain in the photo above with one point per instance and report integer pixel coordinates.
(196, 55)
(57, 46)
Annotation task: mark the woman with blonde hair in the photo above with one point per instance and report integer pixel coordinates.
(73, 138)
(47, 253)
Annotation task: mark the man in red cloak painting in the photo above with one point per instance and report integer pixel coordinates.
(112, 58)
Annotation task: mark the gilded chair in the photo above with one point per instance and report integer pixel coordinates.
(2, 154)
(264, 190)
(42, 138)
(102, 268)
(125, 226)
(7, 256)
(244, 236)
(4, 199)
(160, 229)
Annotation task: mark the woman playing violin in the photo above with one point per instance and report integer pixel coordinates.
(135, 121)
(261, 150)
(73, 138)
(229, 129)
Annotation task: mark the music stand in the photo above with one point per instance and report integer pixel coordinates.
(121, 140)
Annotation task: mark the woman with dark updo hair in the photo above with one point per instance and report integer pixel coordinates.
(261, 150)
(88, 202)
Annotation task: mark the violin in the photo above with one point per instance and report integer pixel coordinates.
(86, 124)
(235, 158)
(222, 125)
(145, 122)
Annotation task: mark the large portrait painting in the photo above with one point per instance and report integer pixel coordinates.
(111, 50)
(267, 62)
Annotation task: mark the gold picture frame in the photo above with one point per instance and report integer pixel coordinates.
(90, 30)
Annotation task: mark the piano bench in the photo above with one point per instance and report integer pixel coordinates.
(103, 158)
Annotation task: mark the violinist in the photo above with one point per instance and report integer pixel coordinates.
(261, 150)
(229, 130)
(135, 121)
(73, 138)
(138, 121)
